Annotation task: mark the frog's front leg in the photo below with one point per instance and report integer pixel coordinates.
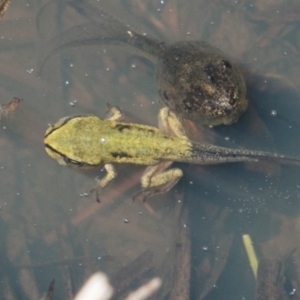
(115, 114)
(158, 179)
(106, 180)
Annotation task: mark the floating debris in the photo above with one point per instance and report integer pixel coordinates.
(253, 261)
(6, 109)
(3, 7)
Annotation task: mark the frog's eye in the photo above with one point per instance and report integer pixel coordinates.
(212, 79)
(71, 162)
(164, 95)
(226, 64)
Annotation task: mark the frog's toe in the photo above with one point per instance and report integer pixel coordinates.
(114, 113)
(143, 195)
(146, 193)
(96, 192)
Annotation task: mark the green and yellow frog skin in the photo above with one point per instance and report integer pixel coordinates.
(88, 141)
(196, 80)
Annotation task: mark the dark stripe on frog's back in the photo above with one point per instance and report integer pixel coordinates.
(128, 128)
(120, 154)
(141, 144)
(121, 127)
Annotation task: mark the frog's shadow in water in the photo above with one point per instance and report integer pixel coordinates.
(195, 80)
(272, 120)
(283, 130)
(250, 129)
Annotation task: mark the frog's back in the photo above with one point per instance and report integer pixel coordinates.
(139, 144)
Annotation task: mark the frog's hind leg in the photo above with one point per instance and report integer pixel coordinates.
(157, 180)
(170, 124)
(114, 113)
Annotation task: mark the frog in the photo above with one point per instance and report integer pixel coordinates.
(195, 79)
(87, 141)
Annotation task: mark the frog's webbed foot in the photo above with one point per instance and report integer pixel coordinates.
(105, 181)
(157, 180)
(144, 194)
(114, 113)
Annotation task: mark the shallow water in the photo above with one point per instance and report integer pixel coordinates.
(50, 231)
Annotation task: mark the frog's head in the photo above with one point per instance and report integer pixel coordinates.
(68, 141)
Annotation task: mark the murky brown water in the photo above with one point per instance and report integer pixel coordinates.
(50, 231)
